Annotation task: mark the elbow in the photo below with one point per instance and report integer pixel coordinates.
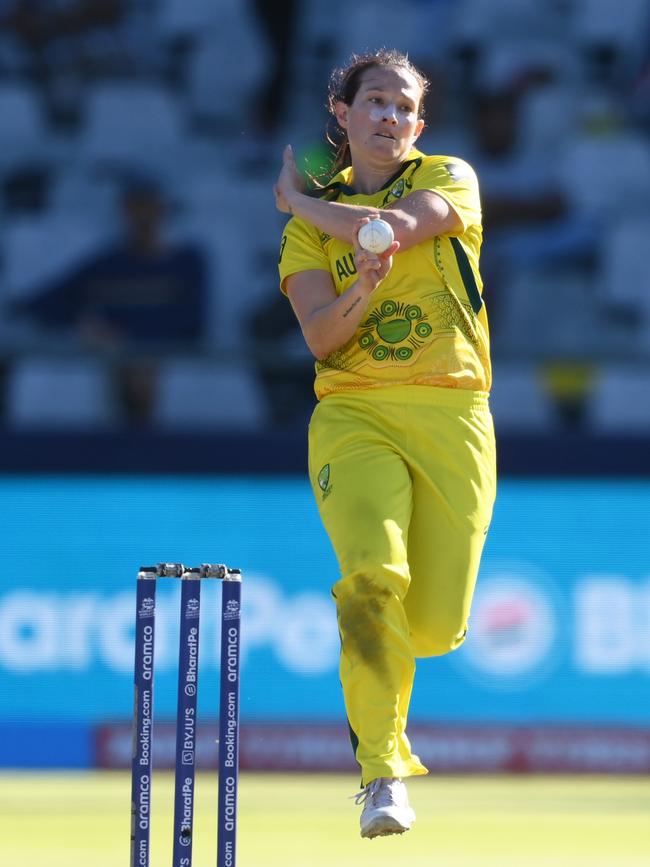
(316, 345)
(404, 227)
(318, 349)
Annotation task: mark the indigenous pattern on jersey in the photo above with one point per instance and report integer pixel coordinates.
(426, 323)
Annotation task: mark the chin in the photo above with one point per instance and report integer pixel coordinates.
(386, 146)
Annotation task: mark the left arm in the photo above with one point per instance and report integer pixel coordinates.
(421, 215)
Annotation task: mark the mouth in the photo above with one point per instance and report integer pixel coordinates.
(385, 135)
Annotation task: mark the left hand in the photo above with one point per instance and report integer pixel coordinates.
(288, 183)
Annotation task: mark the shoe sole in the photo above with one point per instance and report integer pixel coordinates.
(384, 826)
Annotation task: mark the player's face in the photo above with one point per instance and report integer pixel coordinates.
(382, 122)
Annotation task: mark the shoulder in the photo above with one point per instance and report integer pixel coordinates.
(297, 228)
(300, 231)
(455, 168)
(301, 245)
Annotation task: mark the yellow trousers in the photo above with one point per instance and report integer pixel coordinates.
(405, 480)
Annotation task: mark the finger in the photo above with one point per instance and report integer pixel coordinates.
(287, 154)
(362, 255)
(394, 247)
(362, 220)
(372, 263)
(355, 231)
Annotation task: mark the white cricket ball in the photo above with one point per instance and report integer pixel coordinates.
(376, 236)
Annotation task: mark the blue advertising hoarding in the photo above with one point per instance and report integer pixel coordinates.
(560, 629)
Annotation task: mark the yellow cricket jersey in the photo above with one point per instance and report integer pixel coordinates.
(426, 323)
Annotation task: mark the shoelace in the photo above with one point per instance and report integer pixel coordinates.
(372, 789)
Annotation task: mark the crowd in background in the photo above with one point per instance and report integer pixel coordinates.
(139, 239)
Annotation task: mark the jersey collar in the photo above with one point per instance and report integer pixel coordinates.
(341, 183)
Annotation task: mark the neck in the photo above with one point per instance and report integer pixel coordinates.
(368, 179)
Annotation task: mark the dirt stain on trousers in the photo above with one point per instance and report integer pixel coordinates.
(362, 624)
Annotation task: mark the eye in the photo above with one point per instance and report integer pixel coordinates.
(376, 99)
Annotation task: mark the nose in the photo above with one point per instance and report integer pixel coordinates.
(390, 114)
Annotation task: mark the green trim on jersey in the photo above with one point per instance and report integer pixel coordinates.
(467, 275)
(336, 187)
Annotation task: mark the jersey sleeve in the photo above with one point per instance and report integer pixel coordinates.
(454, 180)
(300, 250)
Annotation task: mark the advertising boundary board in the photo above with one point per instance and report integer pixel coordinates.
(445, 749)
(558, 641)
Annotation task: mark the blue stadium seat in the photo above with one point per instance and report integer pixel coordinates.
(133, 124)
(217, 57)
(200, 395)
(59, 393)
(620, 401)
(180, 18)
(23, 126)
(519, 401)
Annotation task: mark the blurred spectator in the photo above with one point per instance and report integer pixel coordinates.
(37, 21)
(138, 299)
(520, 189)
(527, 215)
(278, 20)
(640, 99)
(66, 41)
(41, 23)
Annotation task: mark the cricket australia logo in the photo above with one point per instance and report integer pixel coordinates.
(324, 481)
(394, 331)
(402, 186)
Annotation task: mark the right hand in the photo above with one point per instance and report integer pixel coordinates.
(372, 268)
(289, 182)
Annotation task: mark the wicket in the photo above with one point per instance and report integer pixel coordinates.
(186, 717)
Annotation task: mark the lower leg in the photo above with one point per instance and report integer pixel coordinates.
(377, 670)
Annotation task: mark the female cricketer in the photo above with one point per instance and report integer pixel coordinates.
(401, 443)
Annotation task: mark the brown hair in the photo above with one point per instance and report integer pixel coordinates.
(344, 84)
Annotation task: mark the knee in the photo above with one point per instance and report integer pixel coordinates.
(437, 642)
(370, 618)
(373, 586)
(360, 600)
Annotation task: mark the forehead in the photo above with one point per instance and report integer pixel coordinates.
(393, 78)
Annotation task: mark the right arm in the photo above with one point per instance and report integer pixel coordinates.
(415, 218)
(328, 321)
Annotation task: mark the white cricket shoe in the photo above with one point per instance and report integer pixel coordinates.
(386, 808)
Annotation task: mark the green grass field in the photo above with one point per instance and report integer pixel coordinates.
(82, 820)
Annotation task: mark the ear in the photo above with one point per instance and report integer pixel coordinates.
(418, 129)
(341, 112)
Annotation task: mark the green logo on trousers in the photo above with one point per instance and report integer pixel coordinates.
(324, 481)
